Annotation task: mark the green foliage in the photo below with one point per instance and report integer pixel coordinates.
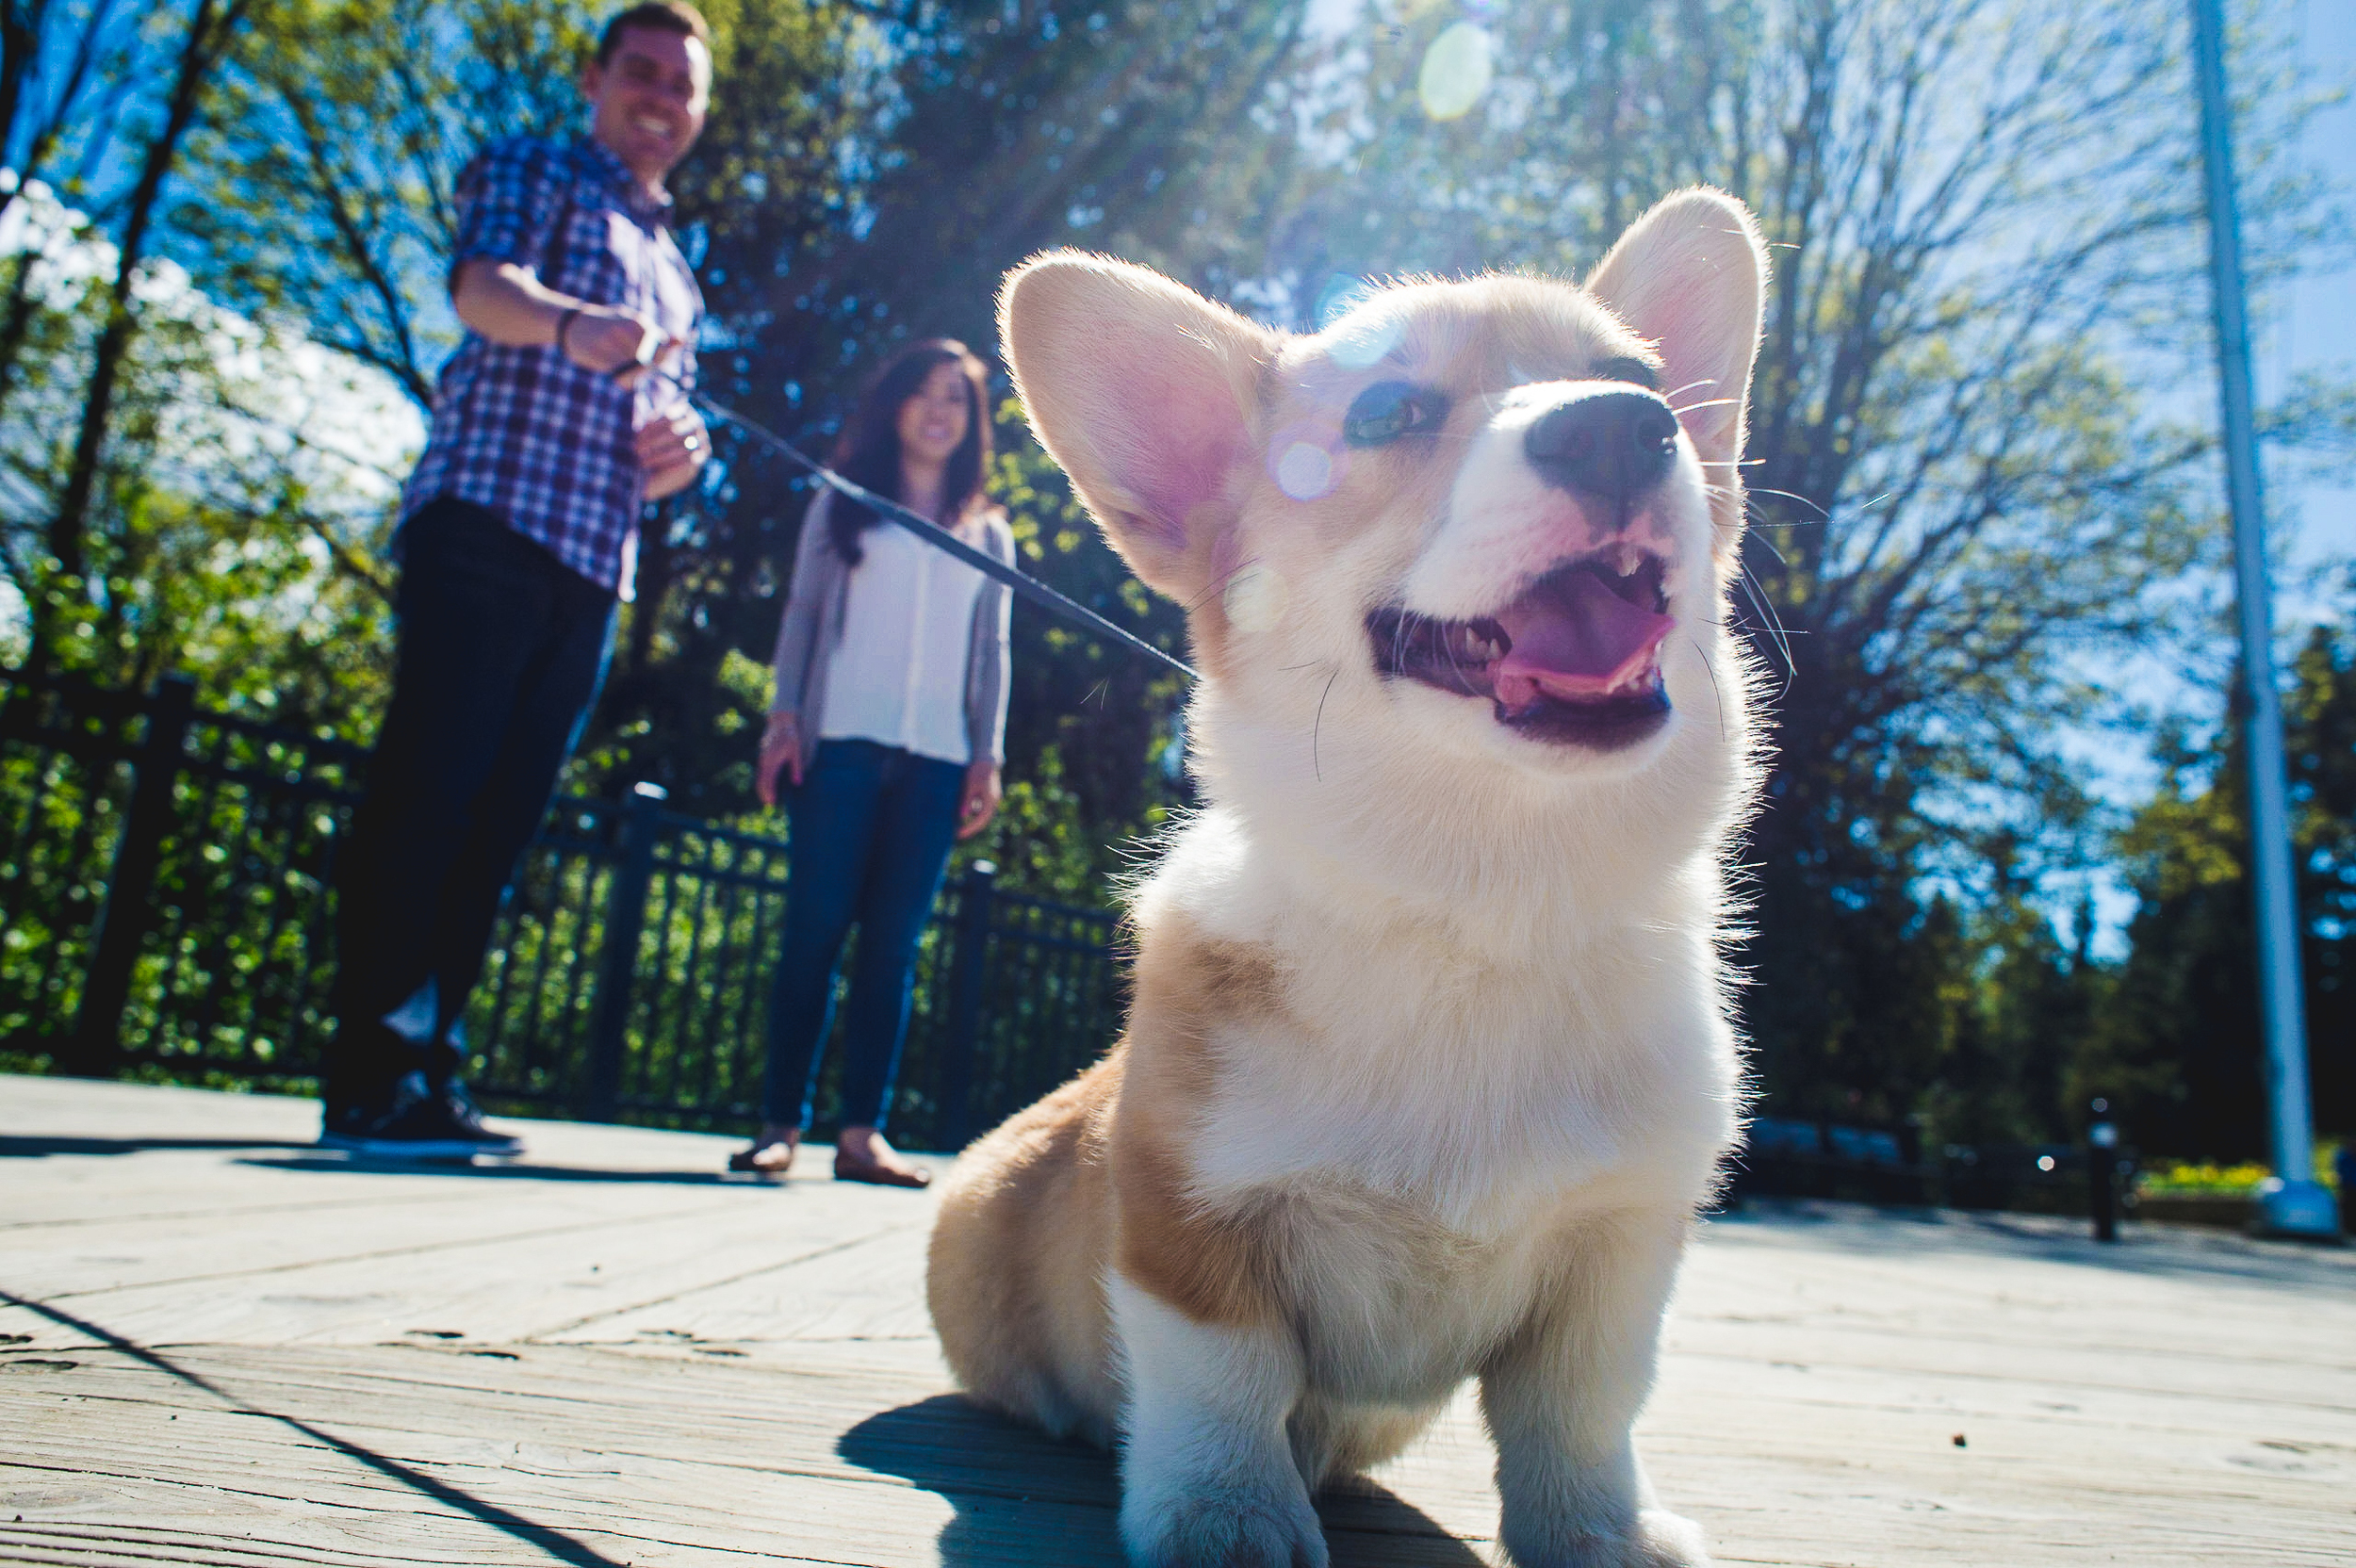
(223, 544)
(325, 171)
(2179, 1046)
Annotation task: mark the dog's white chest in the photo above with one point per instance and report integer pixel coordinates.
(1393, 1308)
(1483, 1104)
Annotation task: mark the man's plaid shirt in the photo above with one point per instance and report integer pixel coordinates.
(526, 432)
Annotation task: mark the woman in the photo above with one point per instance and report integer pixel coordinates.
(890, 720)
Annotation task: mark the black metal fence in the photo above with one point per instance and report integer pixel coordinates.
(165, 912)
(1788, 1158)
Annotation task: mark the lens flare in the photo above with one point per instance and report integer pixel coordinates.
(1304, 471)
(1456, 72)
(1342, 293)
(1361, 340)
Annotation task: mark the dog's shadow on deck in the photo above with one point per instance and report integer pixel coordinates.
(1021, 1498)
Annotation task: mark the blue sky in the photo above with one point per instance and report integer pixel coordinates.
(2314, 325)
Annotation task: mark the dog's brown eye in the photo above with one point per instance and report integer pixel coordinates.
(1390, 409)
(1621, 367)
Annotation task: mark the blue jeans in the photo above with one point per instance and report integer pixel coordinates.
(872, 830)
(501, 651)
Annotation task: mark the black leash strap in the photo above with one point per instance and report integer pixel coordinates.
(934, 534)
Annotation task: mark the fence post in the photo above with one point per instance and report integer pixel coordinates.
(971, 957)
(617, 965)
(2102, 1173)
(97, 1040)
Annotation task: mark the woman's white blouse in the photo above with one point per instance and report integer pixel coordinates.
(907, 624)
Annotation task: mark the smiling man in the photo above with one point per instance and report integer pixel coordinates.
(517, 537)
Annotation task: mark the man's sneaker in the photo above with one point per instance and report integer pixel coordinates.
(416, 1124)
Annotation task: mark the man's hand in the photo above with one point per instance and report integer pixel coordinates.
(781, 747)
(613, 341)
(508, 303)
(671, 451)
(980, 803)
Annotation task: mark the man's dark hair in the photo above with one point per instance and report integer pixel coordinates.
(668, 16)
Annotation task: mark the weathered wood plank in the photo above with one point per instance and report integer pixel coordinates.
(650, 1368)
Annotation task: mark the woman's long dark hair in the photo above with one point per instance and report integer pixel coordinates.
(868, 449)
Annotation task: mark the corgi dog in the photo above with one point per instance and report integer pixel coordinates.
(1429, 1062)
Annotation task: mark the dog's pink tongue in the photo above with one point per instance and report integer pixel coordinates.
(1574, 638)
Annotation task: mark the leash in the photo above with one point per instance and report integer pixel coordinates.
(931, 533)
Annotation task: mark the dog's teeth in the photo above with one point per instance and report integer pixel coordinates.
(1626, 559)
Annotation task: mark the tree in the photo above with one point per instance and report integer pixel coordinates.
(164, 500)
(324, 191)
(229, 492)
(1965, 505)
(211, 26)
(61, 77)
(2179, 1048)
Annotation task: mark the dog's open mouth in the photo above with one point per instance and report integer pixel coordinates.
(1576, 659)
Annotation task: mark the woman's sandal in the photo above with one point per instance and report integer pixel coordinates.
(876, 1173)
(749, 1162)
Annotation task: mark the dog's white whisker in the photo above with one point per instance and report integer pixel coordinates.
(1710, 671)
(1317, 729)
(1812, 506)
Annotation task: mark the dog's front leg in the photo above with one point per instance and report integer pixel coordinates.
(1207, 1478)
(1560, 1397)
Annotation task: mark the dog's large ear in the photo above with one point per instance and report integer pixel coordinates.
(1692, 275)
(1146, 393)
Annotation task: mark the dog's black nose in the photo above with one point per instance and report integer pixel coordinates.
(1613, 445)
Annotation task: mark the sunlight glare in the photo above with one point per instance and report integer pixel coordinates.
(1456, 72)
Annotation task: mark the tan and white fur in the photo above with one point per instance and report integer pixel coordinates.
(1429, 1062)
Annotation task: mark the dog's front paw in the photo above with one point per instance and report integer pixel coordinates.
(1657, 1540)
(1665, 1540)
(1243, 1526)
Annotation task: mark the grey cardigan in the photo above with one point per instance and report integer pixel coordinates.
(811, 628)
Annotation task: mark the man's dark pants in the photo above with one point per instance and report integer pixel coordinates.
(501, 652)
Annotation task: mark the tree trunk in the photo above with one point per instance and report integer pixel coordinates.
(20, 40)
(209, 28)
(16, 319)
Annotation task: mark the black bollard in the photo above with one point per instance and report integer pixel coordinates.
(2102, 1173)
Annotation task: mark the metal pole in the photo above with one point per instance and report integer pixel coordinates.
(2292, 1202)
(2102, 1173)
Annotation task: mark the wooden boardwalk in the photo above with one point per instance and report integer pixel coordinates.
(220, 1347)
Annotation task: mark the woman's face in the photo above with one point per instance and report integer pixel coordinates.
(932, 423)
